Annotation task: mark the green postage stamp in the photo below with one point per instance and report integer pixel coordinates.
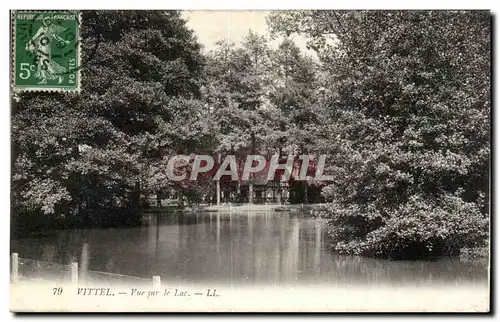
(46, 51)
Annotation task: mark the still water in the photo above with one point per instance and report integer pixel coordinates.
(279, 248)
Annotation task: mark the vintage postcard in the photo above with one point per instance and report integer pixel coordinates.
(250, 161)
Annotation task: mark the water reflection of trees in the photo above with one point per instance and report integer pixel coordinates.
(266, 248)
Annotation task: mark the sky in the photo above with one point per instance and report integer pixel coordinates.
(234, 25)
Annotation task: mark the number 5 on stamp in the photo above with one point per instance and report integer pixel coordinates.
(46, 53)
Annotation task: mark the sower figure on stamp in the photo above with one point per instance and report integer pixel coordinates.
(40, 44)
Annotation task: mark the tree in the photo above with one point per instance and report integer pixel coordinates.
(83, 156)
(236, 95)
(408, 98)
(293, 93)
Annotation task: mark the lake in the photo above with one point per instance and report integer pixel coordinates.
(270, 248)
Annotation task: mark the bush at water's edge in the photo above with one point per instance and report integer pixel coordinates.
(417, 229)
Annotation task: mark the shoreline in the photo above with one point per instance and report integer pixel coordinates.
(237, 208)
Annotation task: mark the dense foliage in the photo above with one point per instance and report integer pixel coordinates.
(262, 99)
(84, 158)
(408, 96)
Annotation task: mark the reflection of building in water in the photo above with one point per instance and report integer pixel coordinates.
(317, 248)
(292, 253)
(84, 260)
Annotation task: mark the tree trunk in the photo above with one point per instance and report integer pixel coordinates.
(158, 199)
(250, 181)
(181, 201)
(136, 195)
